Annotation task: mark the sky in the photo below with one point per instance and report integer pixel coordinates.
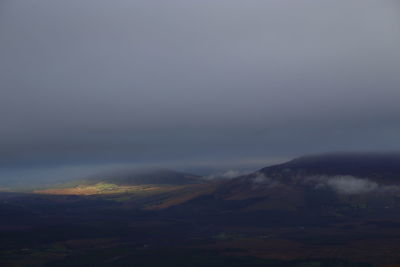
(92, 84)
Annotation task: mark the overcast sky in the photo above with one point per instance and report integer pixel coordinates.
(186, 83)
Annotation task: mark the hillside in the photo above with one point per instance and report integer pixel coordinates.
(310, 189)
(344, 173)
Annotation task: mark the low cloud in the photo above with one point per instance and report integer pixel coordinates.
(225, 175)
(350, 185)
(261, 179)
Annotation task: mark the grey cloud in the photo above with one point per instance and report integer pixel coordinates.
(350, 185)
(93, 82)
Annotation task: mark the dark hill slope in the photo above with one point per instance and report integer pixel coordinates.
(363, 171)
(325, 188)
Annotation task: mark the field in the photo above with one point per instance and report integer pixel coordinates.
(121, 228)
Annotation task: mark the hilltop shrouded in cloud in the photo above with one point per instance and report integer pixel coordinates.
(86, 83)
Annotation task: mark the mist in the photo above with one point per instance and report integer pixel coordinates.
(350, 185)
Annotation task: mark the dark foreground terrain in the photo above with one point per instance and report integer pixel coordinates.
(301, 213)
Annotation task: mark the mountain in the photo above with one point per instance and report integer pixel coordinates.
(344, 173)
(308, 190)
